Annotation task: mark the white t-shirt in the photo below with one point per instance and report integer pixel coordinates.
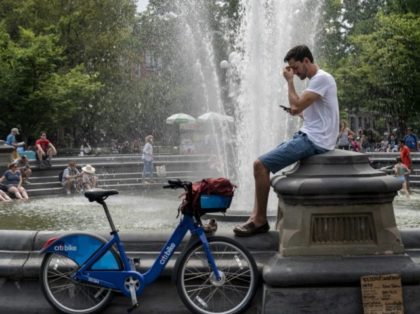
(148, 152)
(321, 119)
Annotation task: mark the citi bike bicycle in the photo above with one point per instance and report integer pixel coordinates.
(81, 271)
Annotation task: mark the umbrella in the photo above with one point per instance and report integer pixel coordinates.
(180, 118)
(214, 116)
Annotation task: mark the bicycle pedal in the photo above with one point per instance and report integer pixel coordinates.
(134, 263)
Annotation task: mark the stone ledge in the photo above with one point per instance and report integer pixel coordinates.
(298, 271)
(20, 258)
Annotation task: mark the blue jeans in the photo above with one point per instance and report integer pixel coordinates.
(147, 168)
(297, 148)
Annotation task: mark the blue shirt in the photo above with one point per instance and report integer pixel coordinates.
(411, 141)
(11, 139)
(12, 178)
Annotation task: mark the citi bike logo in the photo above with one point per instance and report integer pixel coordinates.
(167, 253)
(65, 248)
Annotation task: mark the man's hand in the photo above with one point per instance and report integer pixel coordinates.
(288, 73)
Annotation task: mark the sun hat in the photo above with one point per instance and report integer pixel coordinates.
(88, 169)
(13, 163)
(15, 130)
(148, 138)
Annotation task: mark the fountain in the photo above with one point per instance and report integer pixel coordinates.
(196, 40)
(268, 30)
(253, 74)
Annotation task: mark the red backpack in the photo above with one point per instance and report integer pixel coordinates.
(210, 195)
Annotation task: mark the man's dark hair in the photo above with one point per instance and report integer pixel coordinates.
(299, 53)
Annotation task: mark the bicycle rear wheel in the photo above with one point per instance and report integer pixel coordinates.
(66, 294)
(199, 289)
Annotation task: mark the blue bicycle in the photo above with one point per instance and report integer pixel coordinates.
(80, 271)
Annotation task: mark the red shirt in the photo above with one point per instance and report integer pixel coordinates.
(44, 143)
(405, 156)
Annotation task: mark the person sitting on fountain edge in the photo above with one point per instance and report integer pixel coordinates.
(318, 106)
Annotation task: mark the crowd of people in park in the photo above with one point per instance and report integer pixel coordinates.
(72, 178)
(43, 150)
(19, 169)
(369, 140)
(321, 88)
(349, 140)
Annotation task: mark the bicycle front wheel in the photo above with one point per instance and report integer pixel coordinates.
(66, 294)
(198, 287)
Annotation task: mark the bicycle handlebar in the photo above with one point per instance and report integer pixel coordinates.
(187, 186)
(176, 184)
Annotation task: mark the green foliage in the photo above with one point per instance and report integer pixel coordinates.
(371, 48)
(58, 60)
(36, 91)
(72, 67)
(390, 56)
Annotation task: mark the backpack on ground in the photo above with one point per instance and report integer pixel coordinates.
(60, 175)
(209, 195)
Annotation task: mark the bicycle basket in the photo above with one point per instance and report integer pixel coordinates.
(214, 203)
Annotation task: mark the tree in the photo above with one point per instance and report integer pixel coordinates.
(79, 68)
(389, 59)
(35, 87)
(370, 47)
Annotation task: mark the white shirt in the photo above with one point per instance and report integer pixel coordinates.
(321, 118)
(148, 152)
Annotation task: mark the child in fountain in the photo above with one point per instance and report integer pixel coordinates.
(401, 171)
(24, 168)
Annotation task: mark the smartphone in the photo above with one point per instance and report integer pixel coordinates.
(285, 108)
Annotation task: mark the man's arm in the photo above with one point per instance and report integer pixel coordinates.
(38, 147)
(52, 147)
(66, 174)
(297, 104)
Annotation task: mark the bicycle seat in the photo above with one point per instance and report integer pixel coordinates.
(99, 194)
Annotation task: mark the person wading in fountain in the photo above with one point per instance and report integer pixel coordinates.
(318, 106)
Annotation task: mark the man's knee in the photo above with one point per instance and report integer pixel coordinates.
(259, 167)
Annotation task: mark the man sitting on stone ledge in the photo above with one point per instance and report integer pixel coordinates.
(318, 106)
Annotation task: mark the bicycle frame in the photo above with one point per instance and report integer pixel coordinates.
(109, 275)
